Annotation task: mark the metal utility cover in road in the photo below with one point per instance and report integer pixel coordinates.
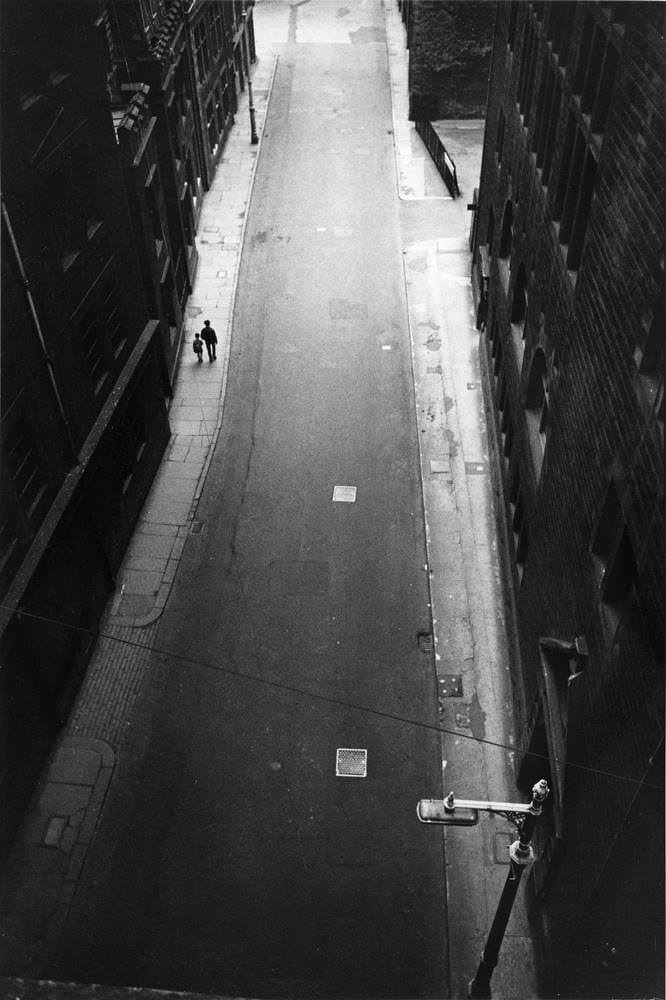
(351, 763)
(344, 494)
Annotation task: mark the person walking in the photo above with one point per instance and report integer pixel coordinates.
(197, 347)
(209, 338)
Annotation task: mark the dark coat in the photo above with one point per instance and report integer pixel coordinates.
(208, 335)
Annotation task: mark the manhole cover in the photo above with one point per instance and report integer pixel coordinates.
(450, 686)
(196, 527)
(351, 763)
(344, 494)
(462, 720)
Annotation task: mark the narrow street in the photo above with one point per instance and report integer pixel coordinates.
(231, 857)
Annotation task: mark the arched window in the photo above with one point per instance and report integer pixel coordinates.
(536, 408)
(519, 301)
(507, 231)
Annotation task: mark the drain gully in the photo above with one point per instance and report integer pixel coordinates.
(425, 642)
(351, 763)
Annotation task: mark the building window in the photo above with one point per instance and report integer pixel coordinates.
(497, 351)
(92, 345)
(582, 212)
(201, 53)
(507, 231)
(575, 189)
(500, 135)
(592, 73)
(218, 27)
(491, 230)
(519, 300)
(603, 95)
(150, 11)
(24, 464)
(583, 58)
(129, 444)
(614, 560)
(527, 71)
(101, 331)
(541, 117)
(219, 112)
(574, 172)
(650, 358)
(536, 409)
(211, 125)
(112, 317)
(153, 202)
(69, 204)
(506, 426)
(620, 573)
(545, 154)
(562, 14)
(518, 522)
(563, 172)
(513, 17)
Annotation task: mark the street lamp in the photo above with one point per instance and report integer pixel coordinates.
(254, 138)
(443, 811)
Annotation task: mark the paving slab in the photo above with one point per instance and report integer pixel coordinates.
(140, 582)
(167, 511)
(145, 564)
(146, 545)
(75, 766)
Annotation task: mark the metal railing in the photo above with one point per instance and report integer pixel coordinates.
(441, 158)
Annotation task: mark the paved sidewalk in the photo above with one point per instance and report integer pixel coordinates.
(470, 625)
(470, 630)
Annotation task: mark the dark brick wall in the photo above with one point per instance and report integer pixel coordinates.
(574, 374)
(449, 55)
(84, 418)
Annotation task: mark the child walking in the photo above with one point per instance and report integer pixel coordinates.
(197, 347)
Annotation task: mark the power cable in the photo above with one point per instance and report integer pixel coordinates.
(331, 700)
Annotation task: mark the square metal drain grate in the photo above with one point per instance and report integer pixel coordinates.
(450, 686)
(351, 763)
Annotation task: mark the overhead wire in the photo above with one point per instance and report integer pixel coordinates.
(331, 699)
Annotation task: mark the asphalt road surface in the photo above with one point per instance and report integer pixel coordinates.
(231, 858)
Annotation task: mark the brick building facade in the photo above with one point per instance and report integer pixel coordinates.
(108, 146)
(568, 273)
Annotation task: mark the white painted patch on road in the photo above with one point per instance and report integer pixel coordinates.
(344, 494)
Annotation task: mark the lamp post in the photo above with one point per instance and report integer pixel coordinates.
(443, 811)
(254, 138)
